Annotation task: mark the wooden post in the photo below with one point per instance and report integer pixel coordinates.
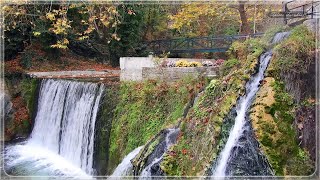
(254, 18)
(285, 10)
(312, 10)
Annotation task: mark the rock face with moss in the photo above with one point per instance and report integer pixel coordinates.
(147, 162)
(277, 118)
(285, 106)
(199, 141)
(144, 109)
(22, 93)
(280, 139)
(103, 126)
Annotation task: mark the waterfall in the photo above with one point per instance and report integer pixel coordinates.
(125, 167)
(62, 139)
(280, 36)
(170, 139)
(151, 163)
(241, 125)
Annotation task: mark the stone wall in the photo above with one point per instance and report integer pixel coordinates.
(175, 73)
(141, 68)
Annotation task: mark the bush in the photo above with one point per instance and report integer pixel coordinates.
(26, 59)
(295, 54)
(229, 64)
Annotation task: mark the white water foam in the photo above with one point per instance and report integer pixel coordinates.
(61, 142)
(146, 172)
(242, 107)
(125, 167)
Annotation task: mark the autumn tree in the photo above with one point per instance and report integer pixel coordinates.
(56, 24)
(217, 18)
(245, 28)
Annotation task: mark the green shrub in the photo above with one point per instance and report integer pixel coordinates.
(295, 54)
(228, 65)
(26, 59)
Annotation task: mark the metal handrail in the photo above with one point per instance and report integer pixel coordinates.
(305, 9)
(211, 37)
(197, 44)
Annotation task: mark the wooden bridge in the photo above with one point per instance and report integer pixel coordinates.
(197, 44)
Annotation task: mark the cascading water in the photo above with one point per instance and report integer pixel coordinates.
(151, 163)
(125, 167)
(242, 107)
(241, 124)
(170, 139)
(61, 143)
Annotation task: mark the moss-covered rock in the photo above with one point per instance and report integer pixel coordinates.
(145, 108)
(103, 128)
(197, 144)
(23, 92)
(272, 117)
(276, 114)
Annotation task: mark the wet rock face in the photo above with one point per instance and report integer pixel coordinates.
(228, 122)
(147, 153)
(7, 112)
(246, 158)
(306, 123)
(302, 86)
(159, 150)
(152, 152)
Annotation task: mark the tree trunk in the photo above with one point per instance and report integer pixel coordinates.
(245, 28)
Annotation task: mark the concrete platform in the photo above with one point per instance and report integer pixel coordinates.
(75, 74)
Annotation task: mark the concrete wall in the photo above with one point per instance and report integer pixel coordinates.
(140, 68)
(131, 67)
(174, 73)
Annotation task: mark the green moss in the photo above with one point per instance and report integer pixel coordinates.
(103, 127)
(28, 92)
(286, 150)
(200, 136)
(277, 135)
(294, 54)
(144, 109)
(229, 64)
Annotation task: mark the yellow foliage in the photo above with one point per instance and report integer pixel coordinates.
(60, 26)
(83, 38)
(185, 63)
(61, 44)
(182, 63)
(50, 16)
(195, 64)
(6, 8)
(36, 33)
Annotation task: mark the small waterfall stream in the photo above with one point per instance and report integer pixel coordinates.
(241, 125)
(61, 143)
(151, 166)
(125, 167)
(170, 139)
(242, 107)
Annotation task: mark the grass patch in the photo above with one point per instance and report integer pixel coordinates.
(144, 109)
